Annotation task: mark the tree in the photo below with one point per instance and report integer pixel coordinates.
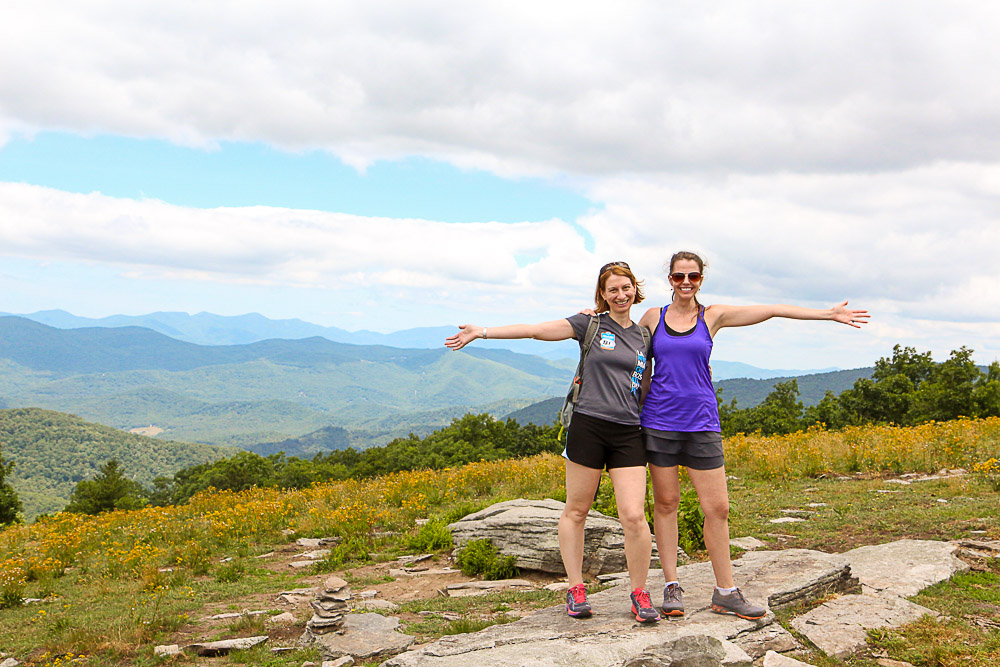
(10, 504)
(109, 490)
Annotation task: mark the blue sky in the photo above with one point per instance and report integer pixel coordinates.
(391, 165)
(255, 174)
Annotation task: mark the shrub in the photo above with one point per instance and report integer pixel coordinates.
(690, 522)
(480, 557)
(432, 536)
(231, 572)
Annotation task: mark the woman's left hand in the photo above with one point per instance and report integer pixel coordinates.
(852, 318)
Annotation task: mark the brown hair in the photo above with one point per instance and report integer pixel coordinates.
(684, 254)
(602, 280)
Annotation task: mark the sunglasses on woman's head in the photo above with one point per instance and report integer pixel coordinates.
(610, 265)
(694, 276)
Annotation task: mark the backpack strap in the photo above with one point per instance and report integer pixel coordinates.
(566, 412)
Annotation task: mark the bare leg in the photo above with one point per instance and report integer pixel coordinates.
(713, 494)
(666, 499)
(630, 496)
(581, 484)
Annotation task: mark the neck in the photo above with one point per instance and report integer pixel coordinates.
(684, 305)
(623, 319)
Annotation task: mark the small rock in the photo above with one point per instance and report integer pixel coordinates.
(409, 560)
(308, 663)
(396, 572)
(165, 570)
(885, 491)
(301, 564)
(226, 559)
(346, 661)
(420, 522)
(787, 519)
(308, 542)
(941, 500)
(9, 662)
(316, 555)
(772, 659)
(811, 489)
(888, 662)
(816, 505)
(896, 481)
(368, 595)
(223, 617)
(558, 586)
(334, 584)
(287, 532)
(226, 646)
(802, 513)
(747, 543)
(689, 651)
(378, 604)
(269, 554)
(287, 618)
(166, 651)
(977, 532)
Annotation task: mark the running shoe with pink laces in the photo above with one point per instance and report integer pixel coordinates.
(576, 602)
(642, 606)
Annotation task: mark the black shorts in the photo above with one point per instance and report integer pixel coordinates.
(597, 443)
(700, 450)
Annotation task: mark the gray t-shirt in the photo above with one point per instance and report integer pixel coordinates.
(612, 373)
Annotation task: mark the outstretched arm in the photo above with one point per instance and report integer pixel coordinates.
(554, 330)
(718, 317)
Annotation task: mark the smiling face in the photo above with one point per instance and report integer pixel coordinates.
(619, 293)
(686, 288)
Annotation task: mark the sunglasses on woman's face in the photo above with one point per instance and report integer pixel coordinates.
(611, 265)
(694, 276)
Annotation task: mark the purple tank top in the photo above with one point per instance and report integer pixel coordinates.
(681, 396)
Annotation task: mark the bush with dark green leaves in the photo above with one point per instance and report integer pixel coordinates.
(109, 490)
(481, 557)
(10, 506)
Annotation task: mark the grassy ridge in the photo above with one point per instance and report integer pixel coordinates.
(114, 562)
(52, 451)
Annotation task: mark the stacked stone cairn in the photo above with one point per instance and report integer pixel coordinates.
(329, 607)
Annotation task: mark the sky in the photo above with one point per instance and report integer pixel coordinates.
(388, 165)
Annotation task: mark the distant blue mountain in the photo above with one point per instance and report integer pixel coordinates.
(211, 329)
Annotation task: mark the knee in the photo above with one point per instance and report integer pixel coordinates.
(716, 510)
(667, 503)
(633, 519)
(576, 514)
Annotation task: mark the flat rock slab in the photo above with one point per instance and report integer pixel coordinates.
(747, 543)
(905, 567)
(612, 636)
(840, 626)
(365, 637)
(226, 646)
(772, 659)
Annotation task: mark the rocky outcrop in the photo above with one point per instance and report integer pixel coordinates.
(840, 626)
(226, 646)
(364, 637)
(612, 637)
(528, 531)
(905, 567)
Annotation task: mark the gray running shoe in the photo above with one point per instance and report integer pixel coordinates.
(735, 603)
(673, 604)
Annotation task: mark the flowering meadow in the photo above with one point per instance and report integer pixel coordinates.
(129, 566)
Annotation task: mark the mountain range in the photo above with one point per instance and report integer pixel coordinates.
(211, 329)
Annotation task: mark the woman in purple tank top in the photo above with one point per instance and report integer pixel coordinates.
(680, 421)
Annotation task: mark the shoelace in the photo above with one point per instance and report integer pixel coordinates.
(674, 592)
(579, 593)
(643, 599)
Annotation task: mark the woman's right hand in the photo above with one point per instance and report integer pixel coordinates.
(590, 312)
(467, 333)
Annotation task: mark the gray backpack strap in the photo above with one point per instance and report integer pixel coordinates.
(569, 404)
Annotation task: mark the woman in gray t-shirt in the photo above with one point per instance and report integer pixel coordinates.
(604, 432)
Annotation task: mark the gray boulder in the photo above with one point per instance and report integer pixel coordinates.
(904, 567)
(528, 531)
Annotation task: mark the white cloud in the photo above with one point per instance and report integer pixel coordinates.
(522, 87)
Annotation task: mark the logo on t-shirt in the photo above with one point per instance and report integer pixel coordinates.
(607, 341)
(640, 366)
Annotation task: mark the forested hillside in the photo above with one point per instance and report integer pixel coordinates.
(263, 392)
(52, 451)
